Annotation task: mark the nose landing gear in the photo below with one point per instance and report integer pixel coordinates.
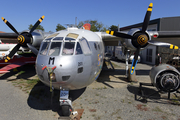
(66, 105)
(65, 102)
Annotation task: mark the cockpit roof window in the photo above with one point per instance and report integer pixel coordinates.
(72, 35)
(51, 36)
(58, 38)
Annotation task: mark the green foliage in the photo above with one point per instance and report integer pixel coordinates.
(113, 27)
(39, 27)
(81, 23)
(95, 25)
(59, 27)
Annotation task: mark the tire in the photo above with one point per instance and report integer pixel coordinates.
(66, 110)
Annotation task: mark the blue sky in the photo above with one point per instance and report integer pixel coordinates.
(22, 13)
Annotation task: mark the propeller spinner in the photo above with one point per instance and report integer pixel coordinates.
(24, 39)
(139, 39)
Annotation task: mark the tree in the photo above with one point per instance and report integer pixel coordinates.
(81, 23)
(104, 29)
(60, 27)
(39, 27)
(95, 25)
(113, 28)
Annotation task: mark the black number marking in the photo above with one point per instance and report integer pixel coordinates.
(80, 63)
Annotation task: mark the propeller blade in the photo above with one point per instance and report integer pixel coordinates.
(32, 48)
(36, 24)
(147, 17)
(134, 62)
(118, 34)
(9, 25)
(162, 44)
(13, 51)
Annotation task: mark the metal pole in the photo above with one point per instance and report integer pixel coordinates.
(76, 22)
(127, 56)
(118, 27)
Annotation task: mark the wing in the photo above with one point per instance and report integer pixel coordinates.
(172, 37)
(10, 66)
(16, 62)
(161, 37)
(110, 40)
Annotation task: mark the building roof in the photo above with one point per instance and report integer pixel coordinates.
(162, 23)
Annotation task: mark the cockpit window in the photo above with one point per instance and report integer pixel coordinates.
(68, 38)
(58, 38)
(48, 38)
(85, 46)
(68, 48)
(78, 49)
(44, 48)
(55, 49)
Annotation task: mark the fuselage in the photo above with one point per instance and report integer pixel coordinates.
(70, 59)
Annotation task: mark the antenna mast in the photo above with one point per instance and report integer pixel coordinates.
(76, 22)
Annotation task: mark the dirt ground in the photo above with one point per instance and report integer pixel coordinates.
(110, 97)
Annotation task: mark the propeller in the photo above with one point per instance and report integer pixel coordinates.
(24, 39)
(162, 44)
(139, 39)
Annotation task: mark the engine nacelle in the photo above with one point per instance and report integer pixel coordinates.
(37, 37)
(165, 78)
(129, 42)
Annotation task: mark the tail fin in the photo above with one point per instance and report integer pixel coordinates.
(87, 26)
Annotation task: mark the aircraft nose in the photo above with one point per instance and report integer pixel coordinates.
(61, 71)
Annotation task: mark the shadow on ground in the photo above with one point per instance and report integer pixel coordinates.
(25, 72)
(41, 98)
(107, 71)
(151, 94)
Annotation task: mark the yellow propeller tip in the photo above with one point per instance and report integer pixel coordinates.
(151, 4)
(107, 32)
(43, 17)
(2, 18)
(176, 47)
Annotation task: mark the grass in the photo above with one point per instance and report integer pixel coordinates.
(25, 85)
(175, 100)
(101, 88)
(157, 109)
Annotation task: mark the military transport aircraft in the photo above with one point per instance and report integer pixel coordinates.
(73, 58)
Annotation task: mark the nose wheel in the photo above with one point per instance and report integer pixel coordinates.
(66, 110)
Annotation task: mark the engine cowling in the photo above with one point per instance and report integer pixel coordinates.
(37, 36)
(133, 45)
(165, 78)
